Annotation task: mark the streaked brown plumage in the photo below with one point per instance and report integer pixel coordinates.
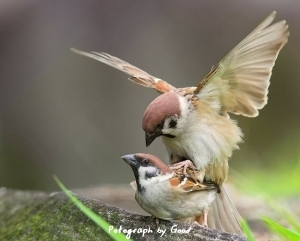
(168, 194)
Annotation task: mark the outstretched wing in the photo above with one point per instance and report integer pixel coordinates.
(239, 83)
(138, 76)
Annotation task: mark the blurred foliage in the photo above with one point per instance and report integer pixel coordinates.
(247, 230)
(277, 175)
(278, 230)
(275, 185)
(286, 234)
(93, 216)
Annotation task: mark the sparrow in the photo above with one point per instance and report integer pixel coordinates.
(194, 122)
(167, 194)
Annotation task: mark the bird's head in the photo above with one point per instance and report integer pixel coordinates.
(165, 116)
(145, 167)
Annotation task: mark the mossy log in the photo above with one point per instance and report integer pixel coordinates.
(29, 215)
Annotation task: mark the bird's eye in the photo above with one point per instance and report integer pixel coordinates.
(146, 161)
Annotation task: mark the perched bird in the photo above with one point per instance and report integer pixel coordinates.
(168, 194)
(194, 122)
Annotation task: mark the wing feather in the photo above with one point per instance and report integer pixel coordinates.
(138, 76)
(246, 70)
(189, 182)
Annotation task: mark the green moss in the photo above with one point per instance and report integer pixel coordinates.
(114, 216)
(37, 218)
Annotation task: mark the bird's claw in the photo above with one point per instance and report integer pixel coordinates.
(185, 164)
(202, 221)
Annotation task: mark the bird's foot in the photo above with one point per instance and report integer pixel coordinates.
(185, 164)
(156, 221)
(195, 223)
(203, 220)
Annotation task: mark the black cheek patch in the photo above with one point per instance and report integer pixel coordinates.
(172, 124)
(150, 175)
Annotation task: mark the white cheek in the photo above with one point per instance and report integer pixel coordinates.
(185, 116)
(153, 180)
(182, 119)
(184, 106)
(142, 171)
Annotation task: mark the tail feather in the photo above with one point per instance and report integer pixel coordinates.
(222, 215)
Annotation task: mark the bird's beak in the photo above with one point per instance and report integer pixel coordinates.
(130, 160)
(150, 137)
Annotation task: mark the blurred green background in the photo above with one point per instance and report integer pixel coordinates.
(74, 117)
